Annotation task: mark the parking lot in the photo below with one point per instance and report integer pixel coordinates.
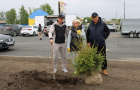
(118, 47)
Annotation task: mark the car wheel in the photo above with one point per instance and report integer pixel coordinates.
(15, 34)
(6, 48)
(23, 35)
(34, 33)
(138, 35)
(131, 35)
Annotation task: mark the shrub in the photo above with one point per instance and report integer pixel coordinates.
(88, 61)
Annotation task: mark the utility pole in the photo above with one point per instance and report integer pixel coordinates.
(124, 9)
(58, 7)
(116, 18)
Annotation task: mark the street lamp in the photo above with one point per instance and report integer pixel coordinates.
(124, 9)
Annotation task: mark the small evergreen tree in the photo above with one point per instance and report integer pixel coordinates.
(88, 60)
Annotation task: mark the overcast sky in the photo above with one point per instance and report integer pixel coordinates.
(82, 8)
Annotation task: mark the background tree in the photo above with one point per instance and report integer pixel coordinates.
(11, 16)
(47, 8)
(31, 10)
(79, 18)
(23, 15)
(87, 20)
(2, 16)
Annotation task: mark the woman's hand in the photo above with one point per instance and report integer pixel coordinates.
(68, 49)
(78, 31)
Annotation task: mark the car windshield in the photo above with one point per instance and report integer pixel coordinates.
(7, 27)
(110, 24)
(27, 27)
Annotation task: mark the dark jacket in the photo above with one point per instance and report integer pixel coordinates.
(39, 29)
(97, 34)
(76, 40)
(60, 33)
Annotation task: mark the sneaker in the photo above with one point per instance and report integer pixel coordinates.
(64, 70)
(55, 70)
(40, 38)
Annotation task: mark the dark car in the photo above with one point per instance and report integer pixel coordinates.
(1, 27)
(46, 30)
(6, 41)
(12, 30)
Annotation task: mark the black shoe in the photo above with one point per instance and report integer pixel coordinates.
(40, 38)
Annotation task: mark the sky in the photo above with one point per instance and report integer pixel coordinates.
(107, 9)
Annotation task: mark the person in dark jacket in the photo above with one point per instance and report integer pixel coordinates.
(40, 32)
(96, 35)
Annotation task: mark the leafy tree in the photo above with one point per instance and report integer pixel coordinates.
(31, 10)
(2, 16)
(47, 8)
(11, 16)
(79, 18)
(87, 20)
(23, 15)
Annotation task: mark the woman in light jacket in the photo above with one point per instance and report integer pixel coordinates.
(76, 37)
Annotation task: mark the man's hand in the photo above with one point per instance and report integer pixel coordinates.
(51, 41)
(89, 44)
(78, 31)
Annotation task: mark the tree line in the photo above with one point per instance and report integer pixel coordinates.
(11, 16)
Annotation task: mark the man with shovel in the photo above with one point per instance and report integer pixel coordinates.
(97, 33)
(60, 32)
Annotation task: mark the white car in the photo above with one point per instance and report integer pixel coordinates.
(112, 27)
(29, 30)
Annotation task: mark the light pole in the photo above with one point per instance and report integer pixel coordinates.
(124, 9)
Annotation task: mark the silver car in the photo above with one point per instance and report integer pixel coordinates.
(6, 41)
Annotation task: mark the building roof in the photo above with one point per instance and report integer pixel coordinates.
(38, 13)
(3, 22)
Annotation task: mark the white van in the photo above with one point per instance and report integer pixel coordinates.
(130, 27)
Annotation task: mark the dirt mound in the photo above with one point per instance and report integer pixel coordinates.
(34, 80)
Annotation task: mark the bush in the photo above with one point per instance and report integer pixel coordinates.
(88, 61)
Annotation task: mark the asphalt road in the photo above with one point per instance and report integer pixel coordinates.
(118, 47)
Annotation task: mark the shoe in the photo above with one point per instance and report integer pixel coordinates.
(55, 70)
(40, 38)
(64, 70)
(104, 72)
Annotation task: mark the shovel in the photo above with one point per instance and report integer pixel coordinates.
(53, 63)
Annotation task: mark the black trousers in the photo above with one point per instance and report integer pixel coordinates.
(103, 50)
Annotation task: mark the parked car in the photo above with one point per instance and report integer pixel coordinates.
(46, 30)
(12, 30)
(112, 27)
(1, 28)
(29, 30)
(85, 27)
(6, 41)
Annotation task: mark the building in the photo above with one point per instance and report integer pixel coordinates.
(31, 18)
(2, 23)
